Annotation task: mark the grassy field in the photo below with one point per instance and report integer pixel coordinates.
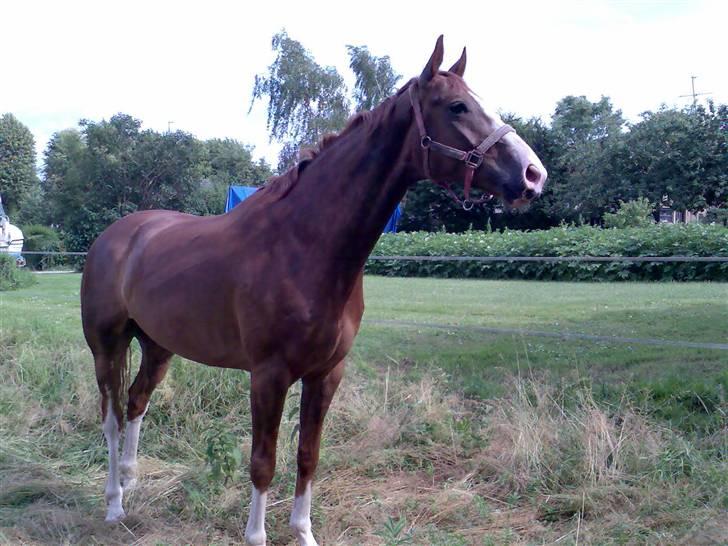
(438, 436)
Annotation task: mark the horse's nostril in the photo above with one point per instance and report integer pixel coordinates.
(529, 193)
(533, 174)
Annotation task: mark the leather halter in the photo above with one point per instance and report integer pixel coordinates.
(472, 159)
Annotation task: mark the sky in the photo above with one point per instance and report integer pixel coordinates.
(190, 65)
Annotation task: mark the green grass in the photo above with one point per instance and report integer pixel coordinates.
(475, 361)
(470, 438)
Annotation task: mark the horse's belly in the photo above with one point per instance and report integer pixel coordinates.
(198, 324)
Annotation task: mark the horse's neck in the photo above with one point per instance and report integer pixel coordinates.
(346, 195)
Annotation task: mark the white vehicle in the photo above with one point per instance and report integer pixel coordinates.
(11, 238)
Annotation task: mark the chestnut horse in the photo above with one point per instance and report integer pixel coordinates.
(274, 287)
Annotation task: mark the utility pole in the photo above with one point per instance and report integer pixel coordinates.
(694, 94)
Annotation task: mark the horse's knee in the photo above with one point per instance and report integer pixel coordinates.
(307, 462)
(262, 469)
(137, 406)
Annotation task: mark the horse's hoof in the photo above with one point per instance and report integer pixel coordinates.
(115, 515)
(255, 539)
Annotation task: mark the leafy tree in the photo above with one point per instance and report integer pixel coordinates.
(307, 100)
(65, 189)
(112, 168)
(584, 180)
(375, 78)
(681, 154)
(165, 170)
(231, 162)
(17, 163)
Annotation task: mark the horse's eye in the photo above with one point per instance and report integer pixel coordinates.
(458, 108)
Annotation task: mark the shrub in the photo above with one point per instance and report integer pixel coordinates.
(41, 239)
(637, 213)
(655, 240)
(12, 277)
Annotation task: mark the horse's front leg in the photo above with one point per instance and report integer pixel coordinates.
(268, 389)
(315, 401)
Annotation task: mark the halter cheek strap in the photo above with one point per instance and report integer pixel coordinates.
(472, 159)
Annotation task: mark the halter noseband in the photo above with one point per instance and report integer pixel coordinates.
(472, 159)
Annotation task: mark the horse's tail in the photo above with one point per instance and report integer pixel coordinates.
(120, 379)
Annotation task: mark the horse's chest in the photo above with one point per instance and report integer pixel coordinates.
(312, 342)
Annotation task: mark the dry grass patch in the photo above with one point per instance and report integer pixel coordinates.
(403, 462)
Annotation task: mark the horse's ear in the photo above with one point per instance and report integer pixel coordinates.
(433, 65)
(459, 67)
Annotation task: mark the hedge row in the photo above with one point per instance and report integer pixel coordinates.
(656, 240)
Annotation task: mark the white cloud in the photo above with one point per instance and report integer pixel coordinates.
(193, 63)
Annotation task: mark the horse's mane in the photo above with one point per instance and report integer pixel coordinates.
(277, 187)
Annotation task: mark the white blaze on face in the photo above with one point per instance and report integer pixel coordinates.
(113, 493)
(301, 518)
(255, 529)
(523, 151)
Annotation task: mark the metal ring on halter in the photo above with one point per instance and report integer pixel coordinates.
(468, 204)
(473, 159)
(425, 142)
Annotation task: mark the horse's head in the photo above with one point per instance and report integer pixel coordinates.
(462, 142)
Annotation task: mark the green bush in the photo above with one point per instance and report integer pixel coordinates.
(11, 276)
(637, 213)
(41, 239)
(655, 240)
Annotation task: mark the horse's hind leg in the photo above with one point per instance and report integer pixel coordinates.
(110, 372)
(155, 362)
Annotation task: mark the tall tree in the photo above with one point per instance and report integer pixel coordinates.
(681, 155)
(17, 162)
(112, 168)
(65, 188)
(307, 100)
(584, 180)
(231, 162)
(375, 78)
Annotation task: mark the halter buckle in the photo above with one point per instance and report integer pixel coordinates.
(473, 159)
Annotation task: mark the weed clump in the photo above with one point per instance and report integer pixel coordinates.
(11, 276)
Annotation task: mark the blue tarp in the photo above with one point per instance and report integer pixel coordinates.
(236, 194)
(391, 226)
